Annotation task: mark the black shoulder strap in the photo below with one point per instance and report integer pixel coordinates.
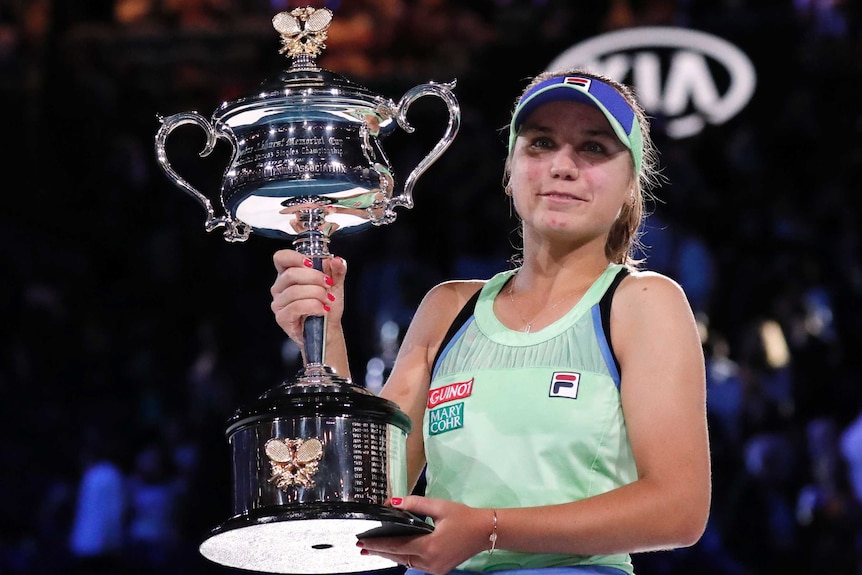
(459, 321)
(605, 309)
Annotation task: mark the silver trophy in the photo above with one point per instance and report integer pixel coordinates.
(315, 458)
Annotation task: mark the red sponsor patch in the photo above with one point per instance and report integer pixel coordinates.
(450, 392)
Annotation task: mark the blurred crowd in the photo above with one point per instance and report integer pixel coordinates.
(130, 334)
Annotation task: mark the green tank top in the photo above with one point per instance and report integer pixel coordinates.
(527, 419)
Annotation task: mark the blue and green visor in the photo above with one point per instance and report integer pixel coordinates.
(586, 90)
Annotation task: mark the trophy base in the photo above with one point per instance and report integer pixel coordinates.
(308, 539)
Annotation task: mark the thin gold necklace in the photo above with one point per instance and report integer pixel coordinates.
(529, 324)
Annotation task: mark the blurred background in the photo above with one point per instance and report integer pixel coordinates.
(129, 334)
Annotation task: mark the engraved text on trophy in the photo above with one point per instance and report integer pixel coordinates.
(281, 152)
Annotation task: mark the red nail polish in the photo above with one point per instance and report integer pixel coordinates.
(330, 297)
(396, 501)
(326, 307)
(329, 281)
(308, 263)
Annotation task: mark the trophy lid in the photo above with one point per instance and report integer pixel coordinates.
(299, 401)
(305, 89)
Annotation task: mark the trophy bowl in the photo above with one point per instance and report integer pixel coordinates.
(309, 138)
(316, 458)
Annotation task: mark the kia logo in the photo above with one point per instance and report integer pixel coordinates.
(690, 78)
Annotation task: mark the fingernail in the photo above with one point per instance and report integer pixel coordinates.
(364, 552)
(360, 544)
(308, 263)
(330, 297)
(396, 501)
(329, 281)
(326, 307)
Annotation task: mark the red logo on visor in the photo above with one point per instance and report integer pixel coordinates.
(582, 82)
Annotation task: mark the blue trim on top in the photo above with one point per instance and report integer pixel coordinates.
(449, 345)
(604, 346)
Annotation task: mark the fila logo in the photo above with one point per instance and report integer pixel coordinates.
(578, 81)
(565, 384)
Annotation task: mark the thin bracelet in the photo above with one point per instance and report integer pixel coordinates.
(493, 537)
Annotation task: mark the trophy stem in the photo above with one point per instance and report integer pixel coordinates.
(314, 244)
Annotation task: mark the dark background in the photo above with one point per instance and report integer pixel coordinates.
(129, 334)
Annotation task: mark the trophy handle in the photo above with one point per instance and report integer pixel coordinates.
(314, 330)
(444, 92)
(235, 231)
(313, 244)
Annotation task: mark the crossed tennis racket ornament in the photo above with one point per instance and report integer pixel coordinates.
(303, 30)
(293, 461)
